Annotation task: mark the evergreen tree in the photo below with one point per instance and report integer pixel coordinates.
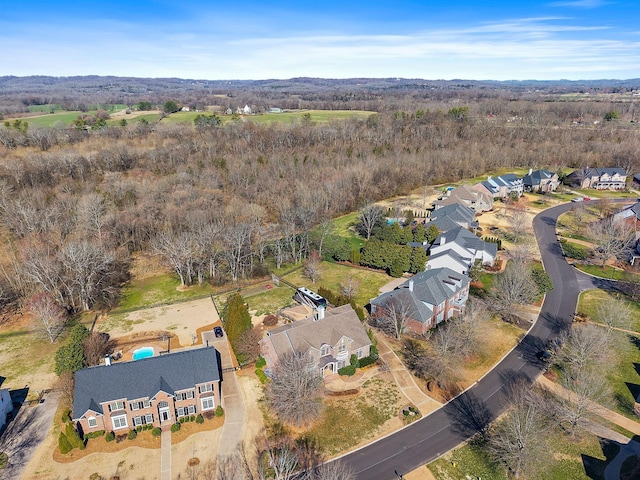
(418, 260)
(236, 317)
(419, 233)
(432, 233)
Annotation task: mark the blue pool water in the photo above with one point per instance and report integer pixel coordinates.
(144, 352)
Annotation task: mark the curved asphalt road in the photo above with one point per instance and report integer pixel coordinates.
(472, 411)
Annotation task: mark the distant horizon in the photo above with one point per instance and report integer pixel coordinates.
(527, 80)
(576, 40)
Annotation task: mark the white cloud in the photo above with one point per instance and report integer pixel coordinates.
(581, 3)
(542, 48)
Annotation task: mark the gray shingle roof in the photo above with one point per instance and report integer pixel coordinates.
(536, 177)
(431, 287)
(304, 334)
(143, 378)
(455, 212)
(466, 239)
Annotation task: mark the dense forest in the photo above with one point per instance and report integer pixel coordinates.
(219, 202)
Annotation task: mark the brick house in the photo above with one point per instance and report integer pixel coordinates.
(330, 337)
(429, 297)
(155, 390)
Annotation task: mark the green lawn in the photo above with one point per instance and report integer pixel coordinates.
(157, 290)
(605, 193)
(576, 250)
(62, 118)
(317, 116)
(590, 299)
(270, 301)
(566, 458)
(609, 272)
(623, 379)
(332, 274)
(343, 227)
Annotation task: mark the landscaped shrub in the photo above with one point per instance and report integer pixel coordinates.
(360, 312)
(97, 434)
(66, 416)
(219, 411)
(139, 428)
(156, 432)
(110, 437)
(73, 436)
(199, 419)
(175, 427)
(192, 418)
(63, 444)
(260, 362)
(261, 376)
(270, 321)
(181, 419)
(373, 352)
(132, 435)
(348, 370)
(541, 279)
(366, 361)
(353, 360)
(4, 460)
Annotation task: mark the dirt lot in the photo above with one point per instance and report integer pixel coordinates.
(181, 319)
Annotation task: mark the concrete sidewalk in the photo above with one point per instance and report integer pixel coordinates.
(165, 455)
(404, 379)
(614, 417)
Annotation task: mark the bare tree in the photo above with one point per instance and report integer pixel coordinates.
(277, 460)
(370, 215)
(585, 387)
(614, 313)
(247, 345)
(50, 317)
(516, 216)
(587, 345)
(470, 326)
(514, 286)
(349, 287)
(519, 439)
(96, 346)
(394, 316)
(179, 251)
(312, 266)
(88, 272)
(613, 238)
(294, 390)
(333, 470)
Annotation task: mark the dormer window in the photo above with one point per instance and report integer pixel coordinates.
(324, 351)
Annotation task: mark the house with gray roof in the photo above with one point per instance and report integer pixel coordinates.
(156, 390)
(502, 186)
(465, 245)
(429, 298)
(331, 336)
(540, 181)
(476, 200)
(598, 178)
(452, 216)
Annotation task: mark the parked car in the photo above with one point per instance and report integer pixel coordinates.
(545, 355)
(218, 332)
(577, 199)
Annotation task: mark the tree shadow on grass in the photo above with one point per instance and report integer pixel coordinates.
(594, 467)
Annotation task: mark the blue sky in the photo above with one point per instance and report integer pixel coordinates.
(492, 39)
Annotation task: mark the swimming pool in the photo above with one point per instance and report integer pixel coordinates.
(144, 352)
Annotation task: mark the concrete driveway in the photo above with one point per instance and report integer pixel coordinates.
(232, 402)
(25, 433)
